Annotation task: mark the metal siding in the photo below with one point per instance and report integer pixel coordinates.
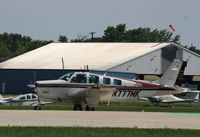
(193, 64)
(16, 81)
(148, 64)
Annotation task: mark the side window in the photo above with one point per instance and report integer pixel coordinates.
(28, 97)
(34, 96)
(106, 80)
(22, 98)
(117, 82)
(79, 78)
(93, 79)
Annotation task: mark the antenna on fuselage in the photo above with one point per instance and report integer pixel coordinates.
(86, 67)
(63, 64)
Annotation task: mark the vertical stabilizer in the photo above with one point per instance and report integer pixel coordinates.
(170, 76)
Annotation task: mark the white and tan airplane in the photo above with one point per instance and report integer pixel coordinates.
(29, 99)
(80, 87)
(191, 96)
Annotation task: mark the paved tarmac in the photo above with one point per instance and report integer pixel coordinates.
(99, 119)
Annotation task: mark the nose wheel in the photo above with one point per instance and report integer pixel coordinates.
(38, 107)
(78, 107)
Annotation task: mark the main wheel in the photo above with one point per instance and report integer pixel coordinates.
(37, 108)
(87, 108)
(78, 107)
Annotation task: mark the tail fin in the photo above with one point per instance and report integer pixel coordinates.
(170, 76)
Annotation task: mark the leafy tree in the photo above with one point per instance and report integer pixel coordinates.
(81, 38)
(193, 48)
(12, 45)
(4, 52)
(120, 34)
(62, 38)
(115, 34)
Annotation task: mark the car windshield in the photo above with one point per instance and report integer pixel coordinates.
(66, 76)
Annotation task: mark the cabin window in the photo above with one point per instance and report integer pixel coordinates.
(117, 82)
(66, 77)
(79, 78)
(28, 97)
(106, 80)
(34, 96)
(22, 98)
(93, 79)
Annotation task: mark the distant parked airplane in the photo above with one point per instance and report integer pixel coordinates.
(23, 100)
(191, 97)
(92, 88)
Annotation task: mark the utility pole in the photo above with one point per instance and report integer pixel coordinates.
(92, 35)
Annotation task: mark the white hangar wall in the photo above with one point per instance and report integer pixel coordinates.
(193, 63)
(147, 64)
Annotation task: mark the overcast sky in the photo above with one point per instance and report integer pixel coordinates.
(47, 19)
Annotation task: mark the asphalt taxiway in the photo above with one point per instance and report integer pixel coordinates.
(99, 119)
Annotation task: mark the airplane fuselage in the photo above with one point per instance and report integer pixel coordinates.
(125, 89)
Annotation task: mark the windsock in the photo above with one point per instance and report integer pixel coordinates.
(172, 27)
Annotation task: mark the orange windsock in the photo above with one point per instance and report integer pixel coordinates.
(172, 27)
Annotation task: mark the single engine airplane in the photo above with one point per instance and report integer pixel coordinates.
(93, 88)
(191, 96)
(29, 99)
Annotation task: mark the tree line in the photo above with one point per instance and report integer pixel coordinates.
(12, 45)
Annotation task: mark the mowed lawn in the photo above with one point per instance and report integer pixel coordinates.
(121, 106)
(94, 132)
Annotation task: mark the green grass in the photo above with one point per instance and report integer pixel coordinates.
(94, 132)
(118, 106)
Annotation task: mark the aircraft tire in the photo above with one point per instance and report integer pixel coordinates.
(78, 107)
(37, 108)
(87, 108)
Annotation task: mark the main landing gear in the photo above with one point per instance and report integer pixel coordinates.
(78, 107)
(37, 108)
(87, 108)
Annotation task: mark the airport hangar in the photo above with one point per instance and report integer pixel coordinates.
(148, 60)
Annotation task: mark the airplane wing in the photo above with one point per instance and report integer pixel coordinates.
(170, 99)
(94, 95)
(191, 96)
(41, 103)
(101, 94)
(31, 85)
(144, 99)
(5, 100)
(174, 99)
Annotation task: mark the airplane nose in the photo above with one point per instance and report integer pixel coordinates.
(36, 84)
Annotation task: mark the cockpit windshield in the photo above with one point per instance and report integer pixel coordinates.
(79, 78)
(67, 76)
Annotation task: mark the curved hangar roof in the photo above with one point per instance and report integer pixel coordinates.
(99, 56)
